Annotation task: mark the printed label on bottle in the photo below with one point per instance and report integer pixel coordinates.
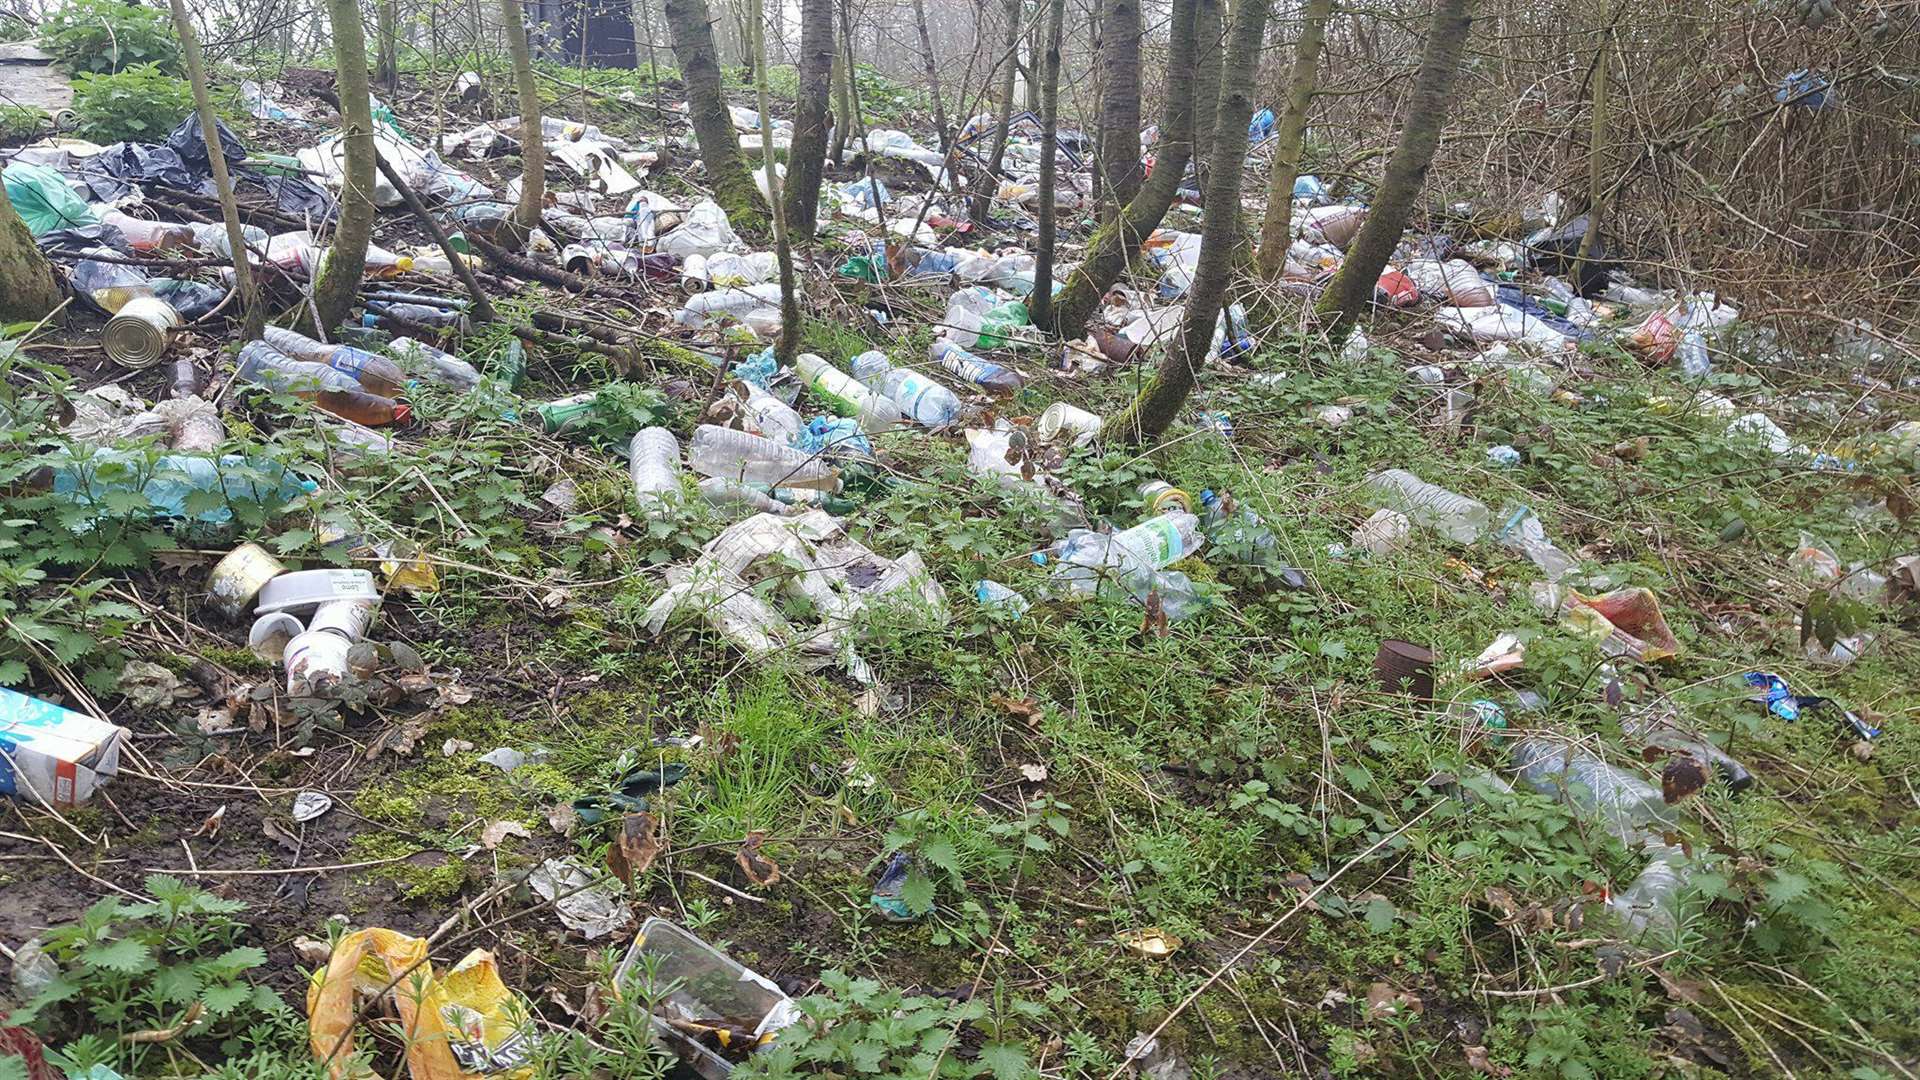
(1158, 540)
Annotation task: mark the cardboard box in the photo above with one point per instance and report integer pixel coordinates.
(55, 753)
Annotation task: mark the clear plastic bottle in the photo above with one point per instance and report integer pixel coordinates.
(193, 424)
(769, 416)
(144, 235)
(744, 456)
(921, 400)
(992, 594)
(990, 376)
(1653, 900)
(375, 373)
(1456, 517)
(425, 360)
(423, 314)
(847, 395)
(1161, 540)
(735, 301)
(1619, 801)
(212, 237)
(654, 460)
(965, 311)
(722, 492)
(330, 389)
(1523, 533)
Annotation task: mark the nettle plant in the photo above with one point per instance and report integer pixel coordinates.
(138, 983)
(864, 1028)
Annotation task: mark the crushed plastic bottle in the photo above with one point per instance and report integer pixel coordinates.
(1458, 518)
(1523, 532)
(1619, 801)
(847, 395)
(750, 458)
(432, 363)
(1084, 557)
(375, 373)
(653, 460)
(920, 399)
(380, 312)
(997, 597)
(986, 374)
(724, 493)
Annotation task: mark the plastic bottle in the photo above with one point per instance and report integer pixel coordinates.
(847, 395)
(722, 492)
(654, 460)
(375, 373)
(966, 310)
(1456, 517)
(728, 301)
(423, 359)
(1619, 801)
(997, 326)
(330, 389)
(922, 400)
(422, 314)
(983, 373)
(744, 456)
(382, 263)
(212, 237)
(144, 235)
(186, 379)
(769, 416)
(1523, 533)
(193, 425)
(992, 594)
(1161, 497)
(1653, 898)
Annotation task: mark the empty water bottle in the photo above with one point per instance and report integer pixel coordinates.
(653, 458)
(1653, 900)
(332, 390)
(381, 313)
(734, 301)
(744, 456)
(922, 400)
(375, 373)
(1619, 801)
(144, 235)
(442, 367)
(986, 374)
(212, 236)
(1523, 533)
(1456, 517)
(1085, 557)
(992, 594)
(722, 492)
(847, 395)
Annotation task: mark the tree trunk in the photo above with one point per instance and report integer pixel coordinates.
(346, 261)
(1352, 288)
(1596, 156)
(386, 66)
(789, 344)
(1035, 61)
(983, 199)
(533, 141)
(1276, 231)
(842, 109)
(1119, 139)
(933, 74)
(806, 158)
(28, 289)
(1221, 238)
(1116, 244)
(253, 314)
(1042, 304)
(1210, 57)
(692, 28)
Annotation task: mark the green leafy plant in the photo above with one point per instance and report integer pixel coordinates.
(864, 1028)
(19, 122)
(106, 36)
(138, 104)
(174, 963)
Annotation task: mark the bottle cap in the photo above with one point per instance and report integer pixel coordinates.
(402, 412)
(404, 262)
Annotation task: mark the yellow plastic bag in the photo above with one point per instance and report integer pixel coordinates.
(460, 1025)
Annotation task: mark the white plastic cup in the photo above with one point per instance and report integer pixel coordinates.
(1061, 419)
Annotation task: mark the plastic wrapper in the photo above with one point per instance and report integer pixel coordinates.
(42, 198)
(1625, 622)
(465, 1023)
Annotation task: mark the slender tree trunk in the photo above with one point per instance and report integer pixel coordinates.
(1119, 139)
(1276, 231)
(346, 261)
(1210, 57)
(842, 107)
(806, 158)
(1035, 61)
(1221, 238)
(253, 317)
(933, 74)
(1116, 244)
(1352, 288)
(28, 289)
(691, 25)
(1042, 303)
(1596, 155)
(983, 199)
(386, 66)
(789, 343)
(533, 142)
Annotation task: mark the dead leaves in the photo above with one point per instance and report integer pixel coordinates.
(754, 863)
(1683, 776)
(635, 846)
(1384, 1001)
(1154, 623)
(1019, 708)
(493, 835)
(1478, 1061)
